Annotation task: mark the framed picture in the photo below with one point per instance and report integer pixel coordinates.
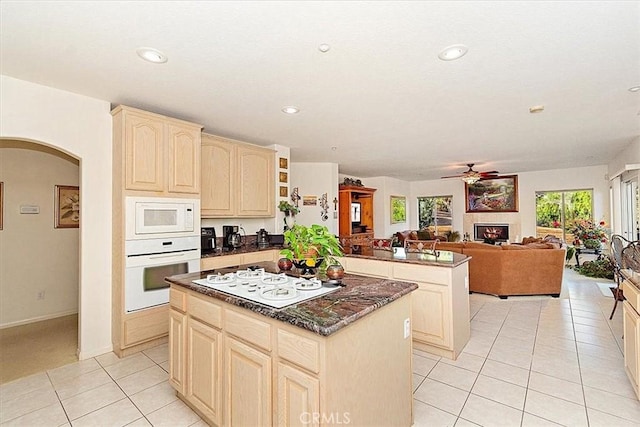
(283, 177)
(309, 200)
(398, 209)
(284, 163)
(283, 191)
(67, 206)
(498, 194)
(1, 205)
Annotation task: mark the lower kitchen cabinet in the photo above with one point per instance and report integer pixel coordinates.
(631, 325)
(430, 315)
(223, 261)
(204, 367)
(298, 397)
(177, 343)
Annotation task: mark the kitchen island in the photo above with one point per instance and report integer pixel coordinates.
(440, 307)
(341, 358)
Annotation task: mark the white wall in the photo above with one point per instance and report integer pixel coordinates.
(36, 257)
(627, 159)
(315, 179)
(81, 127)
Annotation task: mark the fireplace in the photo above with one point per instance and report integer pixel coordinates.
(491, 233)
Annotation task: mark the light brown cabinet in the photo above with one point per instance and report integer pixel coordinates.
(161, 155)
(631, 326)
(177, 344)
(298, 397)
(355, 223)
(223, 261)
(204, 368)
(237, 179)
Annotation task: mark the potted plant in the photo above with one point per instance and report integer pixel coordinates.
(289, 210)
(311, 246)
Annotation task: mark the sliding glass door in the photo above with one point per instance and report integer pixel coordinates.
(630, 209)
(558, 211)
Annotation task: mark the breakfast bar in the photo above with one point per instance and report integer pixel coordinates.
(343, 357)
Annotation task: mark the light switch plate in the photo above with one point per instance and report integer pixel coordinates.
(29, 209)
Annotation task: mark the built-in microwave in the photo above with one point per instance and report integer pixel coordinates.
(159, 217)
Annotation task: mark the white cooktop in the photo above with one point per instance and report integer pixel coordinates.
(273, 290)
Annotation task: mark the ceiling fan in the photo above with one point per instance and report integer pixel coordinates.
(470, 176)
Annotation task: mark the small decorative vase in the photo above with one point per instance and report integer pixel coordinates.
(592, 244)
(285, 264)
(307, 266)
(335, 272)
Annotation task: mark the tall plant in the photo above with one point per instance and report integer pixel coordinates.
(313, 242)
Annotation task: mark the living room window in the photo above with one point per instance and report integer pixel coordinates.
(434, 213)
(557, 211)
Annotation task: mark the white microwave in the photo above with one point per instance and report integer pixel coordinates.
(154, 217)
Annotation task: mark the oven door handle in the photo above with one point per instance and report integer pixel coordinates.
(172, 255)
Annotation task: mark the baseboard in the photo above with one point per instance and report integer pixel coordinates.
(38, 319)
(82, 355)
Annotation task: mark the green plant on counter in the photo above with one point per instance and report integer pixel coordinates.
(315, 241)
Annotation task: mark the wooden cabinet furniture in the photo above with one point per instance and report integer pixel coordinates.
(161, 155)
(631, 325)
(355, 223)
(222, 261)
(276, 374)
(153, 156)
(439, 308)
(237, 179)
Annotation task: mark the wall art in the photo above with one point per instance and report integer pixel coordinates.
(67, 206)
(498, 194)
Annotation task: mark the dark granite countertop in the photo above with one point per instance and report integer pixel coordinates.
(323, 315)
(248, 248)
(444, 258)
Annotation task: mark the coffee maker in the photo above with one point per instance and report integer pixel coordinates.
(263, 239)
(207, 240)
(232, 238)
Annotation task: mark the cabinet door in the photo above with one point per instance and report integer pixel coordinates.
(177, 350)
(204, 385)
(248, 385)
(144, 153)
(298, 397)
(260, 256)
(184, 159)
(218, 196)
(256, 182)
(211, 263)
(632, 344)
(430, 315)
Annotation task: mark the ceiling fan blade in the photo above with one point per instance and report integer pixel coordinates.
(451, 176)
(489, 173)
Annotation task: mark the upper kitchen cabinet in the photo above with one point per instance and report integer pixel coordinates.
(237, 179)
(161, 155)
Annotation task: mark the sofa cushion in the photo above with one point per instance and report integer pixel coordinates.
(531, 239)
(515, 248)
(541, 245)
(424, 235)
(477, 245)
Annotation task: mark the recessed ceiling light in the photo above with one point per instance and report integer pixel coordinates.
(152, 55)
(634, 89)
(290, 110)
(453, 52)
(536, 109)
(324, 48)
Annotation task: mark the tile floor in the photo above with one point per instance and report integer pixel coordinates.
(531, 361)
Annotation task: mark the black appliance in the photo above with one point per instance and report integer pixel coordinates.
(207, 240)
(232, 237)
(263, 239)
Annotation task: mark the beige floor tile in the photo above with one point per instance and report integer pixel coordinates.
(612, 404)
(466, 361)
(529, 420)
(92, 400)
(465, 423)
(603, 331)
(82, 383)
(441, 396)
(425, 354)
(142, 380)
(486, 412)
(597, 351)
(542, 350)
(453, 376)
(423, 365)
(606, 342)
(601, 419)
(52, 415)
(610, 382)
(154, 398)
(556, 410)
(175, 414)
(120, 413)
(26, 403)
(165, 366)
(505, 372)
(158, 353)
(556, 342)
(107, 359)
(416, 380)
(500, 391)
(199, 423)
(556, 387)
(74, 370)
(140, 422)
(566, 369)
(17, 388)
(511, 356)
(129, 365)
(428, 416)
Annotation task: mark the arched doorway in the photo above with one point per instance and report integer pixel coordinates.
(39, 261)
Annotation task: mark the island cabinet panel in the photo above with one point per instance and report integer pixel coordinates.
(177, 347)
(204, 311)
(248, 328)
(631, 325)
(367, 267)
(248, 385)
(298, 397)
(430, 314)
(302, 351)
(204, 352)
(222, 261)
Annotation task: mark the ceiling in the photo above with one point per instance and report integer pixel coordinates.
(379, 102)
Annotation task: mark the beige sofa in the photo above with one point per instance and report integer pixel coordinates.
(532, 269)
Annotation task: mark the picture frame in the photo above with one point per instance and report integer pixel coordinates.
(284, 191)
(499, 194)
(1, 205)
(283, 162)
(67, 206)
(283, 177)
(309, 200)
(398, 209)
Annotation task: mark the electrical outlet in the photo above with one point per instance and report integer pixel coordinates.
(466, 282)
(407, 328)
(41, 295)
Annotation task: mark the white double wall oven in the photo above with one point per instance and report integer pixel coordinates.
(162, 239)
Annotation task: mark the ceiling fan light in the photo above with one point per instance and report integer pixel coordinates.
(470, 179)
